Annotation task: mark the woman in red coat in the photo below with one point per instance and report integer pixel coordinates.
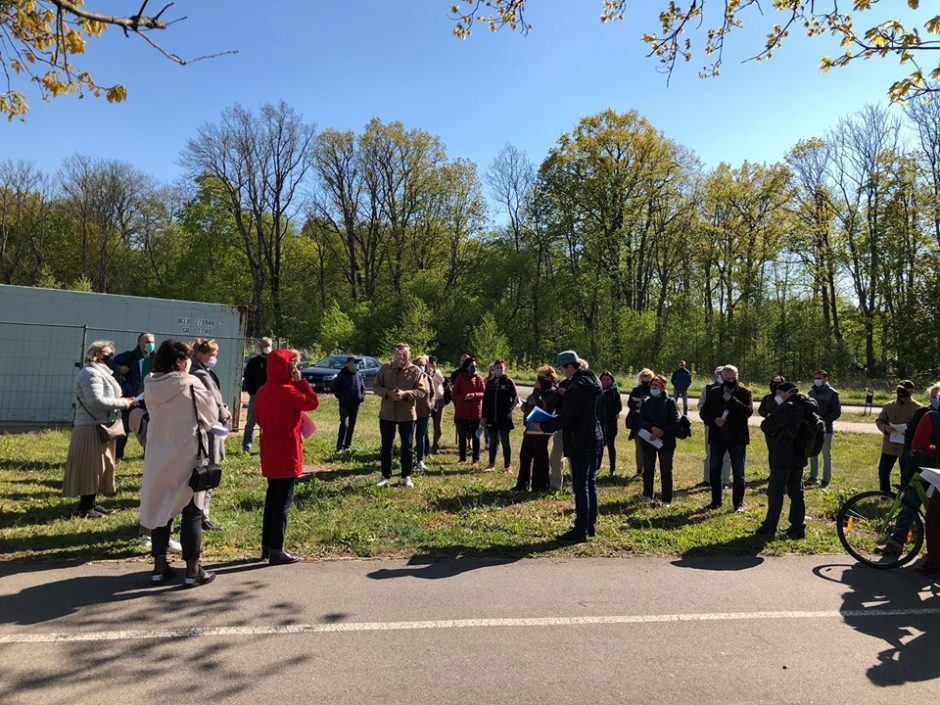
(468, 391)
(279, 410)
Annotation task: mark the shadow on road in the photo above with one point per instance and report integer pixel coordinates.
(913, 640)
(739, 553)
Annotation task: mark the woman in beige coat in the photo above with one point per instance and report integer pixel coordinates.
(89, 467)
(173, 441)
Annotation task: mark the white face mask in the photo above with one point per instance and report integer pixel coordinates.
(498, 372)
(655, 392)
(778, 399)
(267, 350)
(819, 382)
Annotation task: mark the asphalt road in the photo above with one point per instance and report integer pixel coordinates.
(645, 630)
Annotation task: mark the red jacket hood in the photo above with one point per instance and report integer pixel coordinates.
(278, 360)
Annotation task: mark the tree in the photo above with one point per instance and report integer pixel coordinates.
(25, 213)
(336, 329)
(486, 342)
(710, 23)
(260, 164)
(38, 39)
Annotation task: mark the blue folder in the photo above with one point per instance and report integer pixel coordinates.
(538, 415)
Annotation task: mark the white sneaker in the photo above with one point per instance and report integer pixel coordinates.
(421, 466)
(382, 483)
(174, 546)
(406, 482)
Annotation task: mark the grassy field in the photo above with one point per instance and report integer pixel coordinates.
(453, 510)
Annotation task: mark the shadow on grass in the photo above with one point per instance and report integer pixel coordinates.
(488, 498)
(739, 553)
(23, 465)
(450, 562)
(912, 637)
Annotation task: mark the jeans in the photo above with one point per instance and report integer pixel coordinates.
(437, 416)
(610, 442)
(789, 479)
(467, 430)
(406, 434)
(190, 534)
(497, 438)
(885, 466)
(826, 454)
(665, 454)
(738, 454)
(249, 425)
(422, 442)
(684, 395)
(347, 424)
(533, 463)
(584, 484)
(277, 501)
(725, 465)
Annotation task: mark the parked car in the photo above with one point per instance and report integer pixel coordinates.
(321, 375)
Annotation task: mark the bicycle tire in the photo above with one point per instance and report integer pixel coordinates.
(865, 522)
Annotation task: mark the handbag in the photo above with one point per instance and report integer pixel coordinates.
(107, 431)
(208, 476)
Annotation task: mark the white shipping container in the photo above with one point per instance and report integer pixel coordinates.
(44, 333)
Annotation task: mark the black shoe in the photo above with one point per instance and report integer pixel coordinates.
(712, 506)
(165, 576)
(764, 530)
(519, 488)
(203, 577)
(90, 514)
(102, 510)
(796, 533)
(591, 531)
(282, 557)
(265, 553)
(824, 484)
(811, 481)
(573, 536)
(209, 525)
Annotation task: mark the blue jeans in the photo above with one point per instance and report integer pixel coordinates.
(584, 484)
(738, 454)
(684, 395)
(826, 454)
(249, 424)
(422, 441)
(406, 434)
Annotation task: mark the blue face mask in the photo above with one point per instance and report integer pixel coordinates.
(211, 362)
(472, 369)
(654, 392)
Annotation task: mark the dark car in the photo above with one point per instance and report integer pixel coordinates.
(322, 374)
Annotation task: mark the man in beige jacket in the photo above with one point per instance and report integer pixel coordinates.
(398, 385)
(892, 422)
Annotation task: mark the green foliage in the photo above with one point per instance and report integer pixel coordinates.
(336, 330)
(487, 343)
(413, 326)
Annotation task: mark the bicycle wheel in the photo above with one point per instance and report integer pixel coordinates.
(867, 520)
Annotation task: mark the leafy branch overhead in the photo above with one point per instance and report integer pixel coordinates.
(685, 28)
(40, 38)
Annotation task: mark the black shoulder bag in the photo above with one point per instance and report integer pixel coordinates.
(204, 477)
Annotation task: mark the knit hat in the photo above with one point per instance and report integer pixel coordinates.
(566, 357)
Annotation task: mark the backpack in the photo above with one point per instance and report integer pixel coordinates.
(683, 427)
(448, 391)
(810, 432)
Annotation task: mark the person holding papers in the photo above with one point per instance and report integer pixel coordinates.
(725, 412)
(892, 422)
(583, 435)
(656, 428)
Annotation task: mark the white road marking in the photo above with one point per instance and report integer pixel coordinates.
(194, 632)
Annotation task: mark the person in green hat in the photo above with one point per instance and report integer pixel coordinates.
(583, 437)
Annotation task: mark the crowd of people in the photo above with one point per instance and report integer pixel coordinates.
(171, 399)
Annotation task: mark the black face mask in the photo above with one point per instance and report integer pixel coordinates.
(903, 394)
(732, 384)
(106, 359)
(773, 387)
(544, 383)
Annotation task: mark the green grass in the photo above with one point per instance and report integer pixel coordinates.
(453, 511)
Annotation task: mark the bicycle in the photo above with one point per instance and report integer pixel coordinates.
(883, 530)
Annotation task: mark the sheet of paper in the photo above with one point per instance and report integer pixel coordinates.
(897, 437)
(648, 437)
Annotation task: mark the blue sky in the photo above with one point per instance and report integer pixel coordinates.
(341, 62)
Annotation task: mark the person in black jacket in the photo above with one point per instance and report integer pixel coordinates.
(611, 406)
(350, 391)
(533, 456)
(659, 417)
(786, 461)
(132, 366)
(256, 374)
(725, 412)
(582, 434)
(499, 401)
